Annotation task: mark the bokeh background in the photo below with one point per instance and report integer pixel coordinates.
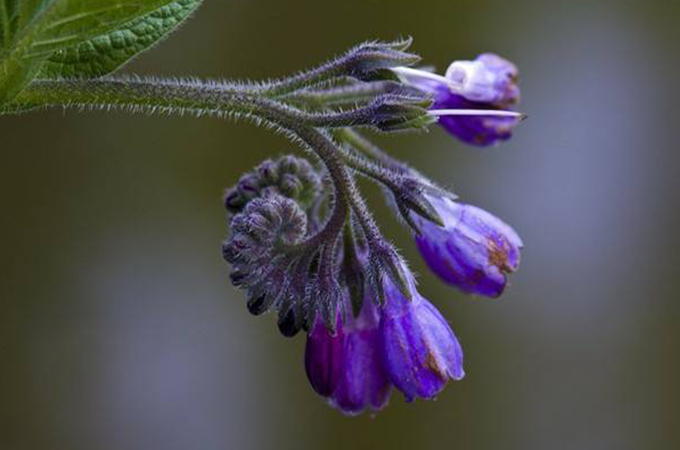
(119, 328)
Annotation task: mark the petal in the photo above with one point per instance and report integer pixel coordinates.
(364, 382)
(324, 358)
(474, 250)
(421, 352)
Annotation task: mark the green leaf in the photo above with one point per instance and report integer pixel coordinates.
(33, 30)
(106, 53)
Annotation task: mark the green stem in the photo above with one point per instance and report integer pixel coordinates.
(177, 97)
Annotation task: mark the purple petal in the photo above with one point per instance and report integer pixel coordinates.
(364, 382)
(475, 130)
(324, 357)
(473, 251)
(421, 352)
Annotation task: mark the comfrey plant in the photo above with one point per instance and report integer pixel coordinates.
(302, 241)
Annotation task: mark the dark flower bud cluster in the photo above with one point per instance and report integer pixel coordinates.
(291, 177)
(303, 242)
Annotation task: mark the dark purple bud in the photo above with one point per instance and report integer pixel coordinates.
(364, 382)
(289, 326)
(290, 186)
(237, 276)
(474, 250)
(257, 305)
(267, 172)
(248, 186)
(420, 350)
(324, 357)
(233, 201)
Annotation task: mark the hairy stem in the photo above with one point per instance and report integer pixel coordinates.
(323, 74)
(353, 93)
(176, 97)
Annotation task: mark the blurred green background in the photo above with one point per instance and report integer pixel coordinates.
(119, 328)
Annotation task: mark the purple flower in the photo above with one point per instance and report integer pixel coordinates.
(479, 130)
(363, 382)
(420, 350)
(473, 98)
(347, 368)
(473, 251)
(324, 357)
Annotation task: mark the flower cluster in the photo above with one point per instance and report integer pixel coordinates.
(406, 343)
(303, 242)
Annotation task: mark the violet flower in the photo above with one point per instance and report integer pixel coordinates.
(324, 357)
(473, 98)
(473, 251)
(364, 382)
(420, 350)
(347, 368)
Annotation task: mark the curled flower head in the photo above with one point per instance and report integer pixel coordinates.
(474, 250)
(291, 177)
(257, 233)
(473, 98)
(421, 352)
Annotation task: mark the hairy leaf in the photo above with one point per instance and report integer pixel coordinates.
(106, 53)
(31, 31)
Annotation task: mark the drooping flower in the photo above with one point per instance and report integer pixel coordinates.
(324, 357)
(347, 367)
(473, 99)
(474, 250)
(364, 382)
(420, 350)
